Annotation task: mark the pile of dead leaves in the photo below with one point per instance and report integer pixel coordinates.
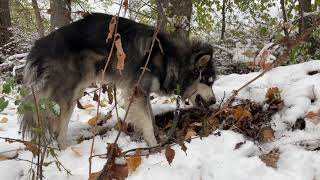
(246, 117)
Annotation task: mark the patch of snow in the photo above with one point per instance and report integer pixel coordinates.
(213, 157)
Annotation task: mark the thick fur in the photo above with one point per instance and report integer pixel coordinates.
(62, 64)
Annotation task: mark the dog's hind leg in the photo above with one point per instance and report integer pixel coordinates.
(67, 103)
(140, 115)
(61, 131)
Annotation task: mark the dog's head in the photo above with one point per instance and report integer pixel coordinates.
(186, 68)
(197, 79)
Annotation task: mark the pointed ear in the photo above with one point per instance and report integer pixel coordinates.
(202, 60)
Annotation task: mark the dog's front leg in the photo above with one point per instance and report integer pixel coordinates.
(140, 115)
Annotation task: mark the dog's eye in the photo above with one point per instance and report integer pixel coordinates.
(196, 73)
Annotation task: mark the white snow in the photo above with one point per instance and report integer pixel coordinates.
(213, 157)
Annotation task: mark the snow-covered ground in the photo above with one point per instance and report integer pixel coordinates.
(213, 157)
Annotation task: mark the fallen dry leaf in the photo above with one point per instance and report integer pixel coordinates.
(313, 117)
(273, 94)
(4, 120)
(95, 97)
(183, 147)
(32, 148)
(189, 134)
(109, 90)
(134, 162)
(88, 107)
(266, 134)
(76, 151)
(2, 157)
(241, 115)
(262, 62)
(271, 159)
(94, 120)
(170, 153)
(94, 176)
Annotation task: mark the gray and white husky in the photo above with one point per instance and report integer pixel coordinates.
(62, 64)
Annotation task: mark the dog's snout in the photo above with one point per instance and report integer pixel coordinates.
(201, 102)
(212, 101)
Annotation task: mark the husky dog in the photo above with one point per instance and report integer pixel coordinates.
(62, 64)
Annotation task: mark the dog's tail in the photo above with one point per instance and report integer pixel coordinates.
(27, 120)
(28, 115)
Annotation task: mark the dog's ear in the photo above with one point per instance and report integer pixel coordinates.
(202, 60)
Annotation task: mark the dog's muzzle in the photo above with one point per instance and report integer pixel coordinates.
(202, 95)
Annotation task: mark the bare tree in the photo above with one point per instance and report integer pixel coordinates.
(60, 13)
(305, 6)
(223, 26)
(284, 16)
(5, 21)
(40, 27)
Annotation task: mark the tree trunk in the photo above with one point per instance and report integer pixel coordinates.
(284, 16)
(5, 22)
(223, 26)
(305, 6)
(60, 13)
(39, 22)
(179, 13)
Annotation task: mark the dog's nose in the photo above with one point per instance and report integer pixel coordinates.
(212, 101)
(201, 102)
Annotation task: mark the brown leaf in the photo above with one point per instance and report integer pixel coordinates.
(94, 120)
(119, 172)
(134, 162)
(183, 147)
(262, 62)
(189, 134)
(76, 151)
(88, 107)
(273, 93)
(110, 94)
(112, 26)
(8, 156)
(266, 134)
(32, 148)
(94, 176)
(95, 97)
(313, 117)
(170, 153)
(4, 120)
(2, 157)
(121, 56)
(242, 114)
(271, 159)
(79, 105)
